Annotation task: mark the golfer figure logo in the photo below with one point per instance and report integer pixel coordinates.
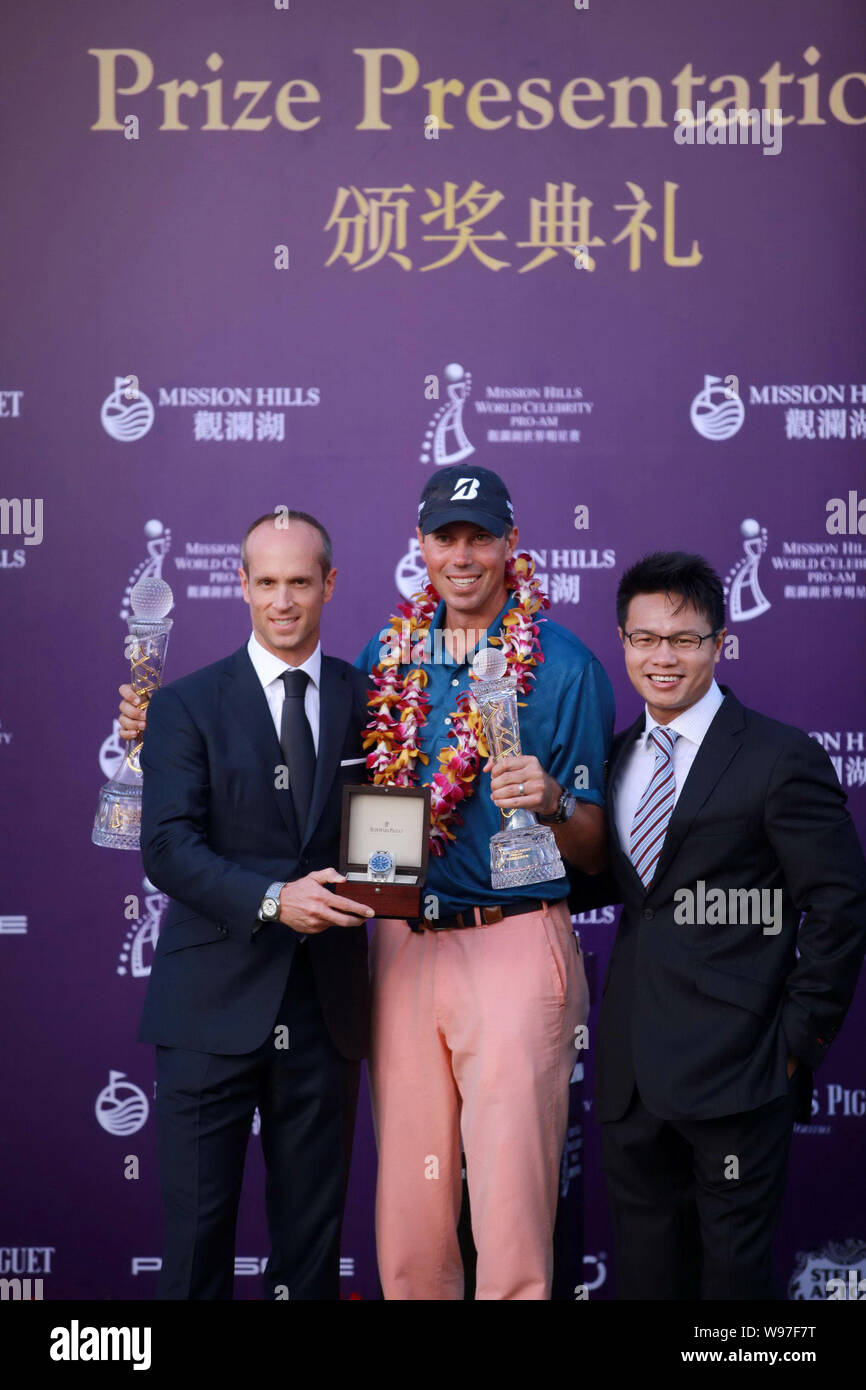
(410, 575)
(445, 438)
(136, 954)
(742, 588)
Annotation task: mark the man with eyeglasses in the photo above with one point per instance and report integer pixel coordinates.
(724, 826)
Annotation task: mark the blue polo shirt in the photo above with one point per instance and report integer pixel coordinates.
(566, 722)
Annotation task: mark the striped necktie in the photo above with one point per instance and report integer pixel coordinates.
(654, 808)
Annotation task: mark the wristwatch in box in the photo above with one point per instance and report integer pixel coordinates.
(380, 866)
(384, 844)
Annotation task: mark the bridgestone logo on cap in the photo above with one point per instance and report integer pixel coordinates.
(466, 490)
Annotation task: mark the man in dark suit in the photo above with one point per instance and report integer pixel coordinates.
(725, 828)
(258, 993)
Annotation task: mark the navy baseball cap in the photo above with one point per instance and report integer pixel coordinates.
(464, 493)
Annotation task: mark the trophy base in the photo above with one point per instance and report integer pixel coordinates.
(117, 824)
(518, 857)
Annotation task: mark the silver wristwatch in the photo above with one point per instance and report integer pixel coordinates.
(380, 866)
(269, 910)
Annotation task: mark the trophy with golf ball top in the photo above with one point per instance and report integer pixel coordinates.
(523, 851)
(118, 816)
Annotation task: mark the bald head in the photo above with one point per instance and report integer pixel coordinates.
(282, 520)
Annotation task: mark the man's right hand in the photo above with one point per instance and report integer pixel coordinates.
(307, 906)
(132, 716)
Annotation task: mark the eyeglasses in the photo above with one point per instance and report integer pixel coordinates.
(678, 642)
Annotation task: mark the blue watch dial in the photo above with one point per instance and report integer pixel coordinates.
(380, 862)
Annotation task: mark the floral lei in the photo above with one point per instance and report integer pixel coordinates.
(400, 707)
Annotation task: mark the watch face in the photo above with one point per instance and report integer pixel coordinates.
(270, 908)
(380, 864)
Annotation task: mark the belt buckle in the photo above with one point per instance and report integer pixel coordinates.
(491, 915)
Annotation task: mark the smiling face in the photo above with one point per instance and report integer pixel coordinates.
(669, 681)
(466, 566)
(285, 588)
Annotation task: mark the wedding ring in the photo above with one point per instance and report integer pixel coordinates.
(521, 789)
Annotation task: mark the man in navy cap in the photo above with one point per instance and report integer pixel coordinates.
(477, 1005)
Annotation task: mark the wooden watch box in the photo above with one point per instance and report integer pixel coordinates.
(396, 819)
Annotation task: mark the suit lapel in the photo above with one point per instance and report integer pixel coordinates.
(625, 747)
(720, 744)
(335, 703)
(247, 704)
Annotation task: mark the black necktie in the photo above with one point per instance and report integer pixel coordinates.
(296, 741)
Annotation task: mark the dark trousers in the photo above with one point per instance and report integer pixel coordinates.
(695, 1203)
(306, 1094)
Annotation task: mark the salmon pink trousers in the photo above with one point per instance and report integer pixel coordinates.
(473, 1035)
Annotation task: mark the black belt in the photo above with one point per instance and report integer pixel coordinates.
(466, 918)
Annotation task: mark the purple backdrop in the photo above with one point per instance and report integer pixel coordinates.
(666, 334)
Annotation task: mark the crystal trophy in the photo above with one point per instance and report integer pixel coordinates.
(523, 851)
(118, 817)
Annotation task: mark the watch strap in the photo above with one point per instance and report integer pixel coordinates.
(563, 811)
(274, 891)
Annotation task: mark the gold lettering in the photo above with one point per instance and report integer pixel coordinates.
(108, 89)
(810, 90)
(373, 89)
(527, 97)
(772, 81)
(477, 96)
(684, 82)
(836, 99)
(671, 258)
(739, 97)
(438, 90)
(214, 96)
(245, 121)
(174, 90)
(622, 88)
(283, 104)
(570, 94)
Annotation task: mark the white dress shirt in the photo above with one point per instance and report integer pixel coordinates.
(637, 765)
(269, 668)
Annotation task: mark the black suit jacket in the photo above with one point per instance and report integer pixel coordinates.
(703, 1017)
(216, 832)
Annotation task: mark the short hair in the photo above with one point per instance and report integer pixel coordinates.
(676, 575)
(326, 559)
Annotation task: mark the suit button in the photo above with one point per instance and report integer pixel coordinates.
(648, 914)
